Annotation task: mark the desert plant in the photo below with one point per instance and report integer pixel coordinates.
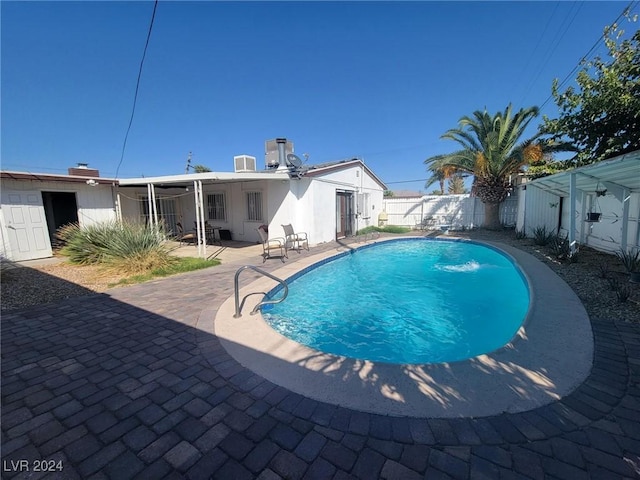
(630, 259)
(561, 248)
(386, 229)
(604, 270)
(131, 248)
(541, 236)
(614, 284)
(521, 234)
(623, 293)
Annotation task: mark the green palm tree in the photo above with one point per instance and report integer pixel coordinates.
(492, 151)
(438, 174)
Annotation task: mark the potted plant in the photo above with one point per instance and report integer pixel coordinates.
(631, 261)
(593, 216)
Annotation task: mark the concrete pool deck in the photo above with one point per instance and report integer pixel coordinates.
(549, 357)
(130, 385)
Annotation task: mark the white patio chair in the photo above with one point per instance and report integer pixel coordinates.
(296, 240)
(272, 247)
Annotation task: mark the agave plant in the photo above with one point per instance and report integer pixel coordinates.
(630, 259)
(128, 247)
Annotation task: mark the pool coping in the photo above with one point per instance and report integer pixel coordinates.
(550, 356)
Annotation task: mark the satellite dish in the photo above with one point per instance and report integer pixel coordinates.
(294, 160)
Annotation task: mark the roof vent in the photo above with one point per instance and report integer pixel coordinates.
(244, 163)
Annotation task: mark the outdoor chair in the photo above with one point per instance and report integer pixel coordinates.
(271, 247)
(295, 241)
(185, 237)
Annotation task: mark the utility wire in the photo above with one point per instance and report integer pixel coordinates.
(135, 96)
(559, 35)
(585, 57)
(535, 50)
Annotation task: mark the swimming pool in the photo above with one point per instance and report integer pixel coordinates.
(407, 301)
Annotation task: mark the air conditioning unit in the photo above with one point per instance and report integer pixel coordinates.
(244, 163)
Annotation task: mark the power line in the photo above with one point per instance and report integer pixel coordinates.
(559, 35)
(135, 96)
(625, 11)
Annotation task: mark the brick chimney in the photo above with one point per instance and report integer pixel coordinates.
(83, 170)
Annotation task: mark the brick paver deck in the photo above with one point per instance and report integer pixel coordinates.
(125, 386)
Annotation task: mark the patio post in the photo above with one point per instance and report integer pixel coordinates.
(572, 209)
(626, 197)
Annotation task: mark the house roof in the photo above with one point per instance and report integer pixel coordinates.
(324, 168)
(230, 177)
(46, 177)
(187, 179)
(622, 171)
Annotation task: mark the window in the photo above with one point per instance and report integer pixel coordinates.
(166, 209)
(254, 206)
(364, 205)
(216, 207)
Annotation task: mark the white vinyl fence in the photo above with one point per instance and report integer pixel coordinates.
(457, 211)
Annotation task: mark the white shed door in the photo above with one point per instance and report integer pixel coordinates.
(26, 225)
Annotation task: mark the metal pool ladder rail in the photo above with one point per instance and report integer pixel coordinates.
(239, 304)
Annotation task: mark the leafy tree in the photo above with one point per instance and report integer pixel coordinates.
(492, 151)
(201, 169)
(456, 185)
(388, 193)
(602, 116)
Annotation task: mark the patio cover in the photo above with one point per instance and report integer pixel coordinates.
(195, 180)
(620, 175)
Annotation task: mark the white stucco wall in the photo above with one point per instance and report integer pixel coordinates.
(318, 210)
(95, 204)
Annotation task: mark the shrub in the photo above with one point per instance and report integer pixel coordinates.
(561, 248)
(386, 229)
(541, 236)
(630, 259)
(521, 234)
(131, 248)
(623, 293)
(614, 284)
(604, 270)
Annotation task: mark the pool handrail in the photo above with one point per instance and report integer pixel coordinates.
(239, 304)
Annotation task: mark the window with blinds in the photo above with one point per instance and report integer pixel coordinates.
(254, 206)
(216, 207)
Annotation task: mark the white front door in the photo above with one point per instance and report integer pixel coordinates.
(26, 225)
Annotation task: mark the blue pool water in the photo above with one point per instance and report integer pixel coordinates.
(406, 301)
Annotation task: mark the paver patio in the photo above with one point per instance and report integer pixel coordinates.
(124, 385)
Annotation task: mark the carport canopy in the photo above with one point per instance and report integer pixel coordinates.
(620, 175)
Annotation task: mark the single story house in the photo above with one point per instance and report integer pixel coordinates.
(328, 201)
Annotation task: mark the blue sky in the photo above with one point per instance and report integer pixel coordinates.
(381, 81)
